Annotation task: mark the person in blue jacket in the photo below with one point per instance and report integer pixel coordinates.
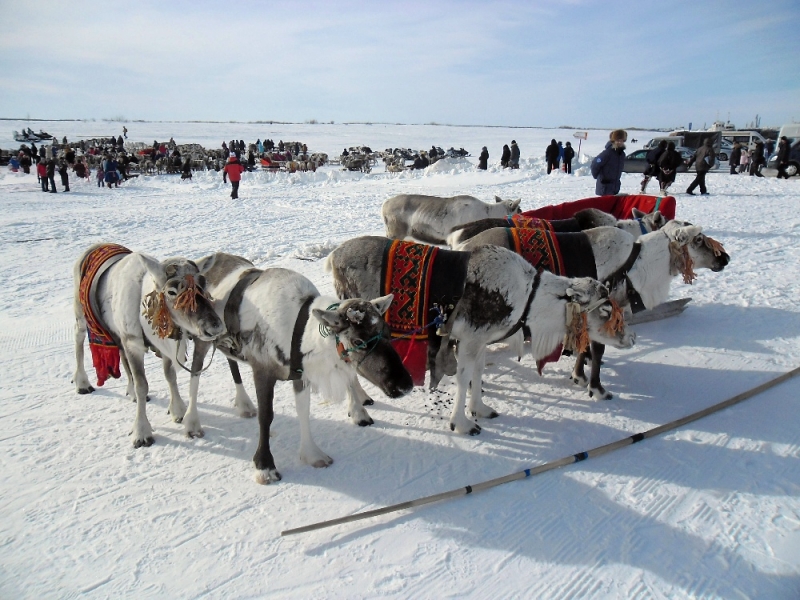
(607, 167)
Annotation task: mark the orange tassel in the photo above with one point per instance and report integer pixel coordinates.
(688, 272)
(577, 337)
(157, 314)
(187, 299)
(715, 246)
(616, 322)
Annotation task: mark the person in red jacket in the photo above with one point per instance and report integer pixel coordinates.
(233, 170)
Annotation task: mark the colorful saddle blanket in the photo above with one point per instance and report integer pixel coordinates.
(538, 246)
(421, 278)
(105, 353)
(529, 222)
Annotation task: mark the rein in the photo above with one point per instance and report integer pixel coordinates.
(621, 274)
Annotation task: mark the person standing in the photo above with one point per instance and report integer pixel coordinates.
(667, 167)
(560, 156)
(62, 170)
(652, 163)
(744, 161)
(41, 171)
(233, 170)
(735, 158)
(607, 167)
(51, 174)
(783, 157)
(514, 162)
(483, 159)
(551, 156)
(757, 160)
(569, 154)
(703, 159)
(505, 157)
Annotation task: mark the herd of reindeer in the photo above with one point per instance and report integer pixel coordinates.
(483, 288)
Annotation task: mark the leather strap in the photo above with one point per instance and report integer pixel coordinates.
(295, 355)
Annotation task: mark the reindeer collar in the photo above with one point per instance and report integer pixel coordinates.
(295, 354)
(621, 274)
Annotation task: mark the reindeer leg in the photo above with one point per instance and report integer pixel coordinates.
(142, 431)
(80, 378)
(177, 409)
(355, 406)
(578, 376)
(244, 406)
(309, 451)
(594, 381)
(191, 420)
(466, 365)
(476, 406)
(265, 393)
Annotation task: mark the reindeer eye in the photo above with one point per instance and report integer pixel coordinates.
(171, 292)
(357, 342)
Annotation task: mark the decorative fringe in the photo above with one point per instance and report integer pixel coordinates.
(615, 323)
(155, 310)
(105, 360)
(715, 246)
(681, 262)
(577, 337)
(187, 299)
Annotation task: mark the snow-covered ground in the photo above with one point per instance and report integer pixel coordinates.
(711, 510)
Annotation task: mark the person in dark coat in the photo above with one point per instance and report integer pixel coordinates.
(783, 157)
(607, 167)
(433, 153)
(51, 174)
(569, 154)
(506, 156)
(80, 169)
(483, 159)
(757, 160)
(652, 163)
(514, 162)
(25, 162)
(667, 166)
(703, 159)
(551, 156)
(735, 158)
(62, 170)
(186, 170)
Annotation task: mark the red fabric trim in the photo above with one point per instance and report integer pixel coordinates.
(106, 362)
(414, 354)
(551, 358)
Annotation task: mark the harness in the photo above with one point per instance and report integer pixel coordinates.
(641, 226)
(621, 274)
(524, 318)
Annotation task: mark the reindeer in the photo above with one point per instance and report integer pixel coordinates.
(268, 316)
(176, 306)
(588, 218)
(638, 272)
(429, 219)
(502, 292)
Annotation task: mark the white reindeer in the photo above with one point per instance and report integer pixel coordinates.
(176, 307)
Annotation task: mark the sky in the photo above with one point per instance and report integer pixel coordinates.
(577, 63)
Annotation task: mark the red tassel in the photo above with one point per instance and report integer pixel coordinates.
(555, 356)
(106, 362)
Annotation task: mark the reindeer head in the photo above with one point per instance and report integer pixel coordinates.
(179, 300)
(701, 251)
(512, 206)
(363, 339)
(652, 221)
(594, 316)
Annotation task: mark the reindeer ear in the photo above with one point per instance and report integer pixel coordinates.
(637, 214)
(515, 205)
(658, 219)
(383, 304)
(498, 199)
(576, 292)
(155, 270)
(331, 319)
(205, 263)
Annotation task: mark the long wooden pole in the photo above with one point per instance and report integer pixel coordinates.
(556, 464)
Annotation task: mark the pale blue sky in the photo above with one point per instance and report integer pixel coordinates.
(583, 63)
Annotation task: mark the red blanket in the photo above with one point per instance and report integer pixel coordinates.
(105, 353)
(619, 206)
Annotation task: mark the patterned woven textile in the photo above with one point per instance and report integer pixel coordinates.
(529, 222)
(407, 269)
(105, 353)
(538, 246)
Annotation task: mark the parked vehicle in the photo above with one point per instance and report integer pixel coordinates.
(794, 158)
(636, 161)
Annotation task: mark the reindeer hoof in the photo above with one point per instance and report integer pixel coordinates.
(452, 426)
(266, 476)
(86, 390)
(148, 441)
(494, 415)
(195, 434)
(475, 430)
(368, 402)
(366, 422)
